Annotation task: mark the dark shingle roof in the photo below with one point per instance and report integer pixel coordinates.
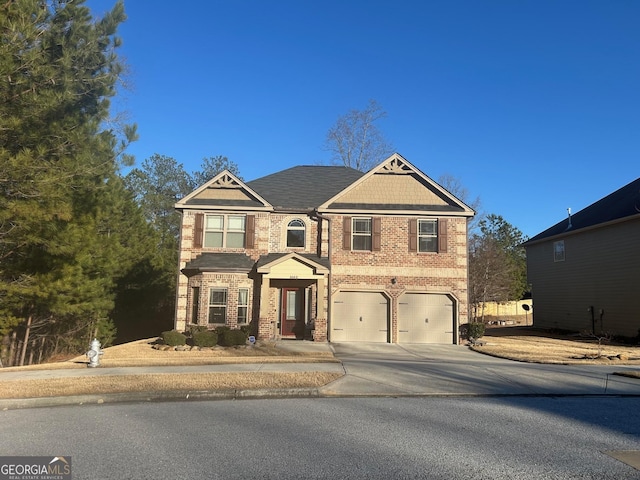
(216, 262)
(304, 187)
(622, 203)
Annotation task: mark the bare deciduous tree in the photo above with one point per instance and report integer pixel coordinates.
(355, 141)
(497, 265)
(454, 185)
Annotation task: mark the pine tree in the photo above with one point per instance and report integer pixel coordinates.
(58, 70)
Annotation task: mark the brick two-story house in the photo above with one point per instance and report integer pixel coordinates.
(326, 252)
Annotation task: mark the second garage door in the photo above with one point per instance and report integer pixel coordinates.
(360, 317)
(425, 318)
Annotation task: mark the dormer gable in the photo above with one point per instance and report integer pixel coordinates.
(224, 191)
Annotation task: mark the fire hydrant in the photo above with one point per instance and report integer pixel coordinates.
(94, 353)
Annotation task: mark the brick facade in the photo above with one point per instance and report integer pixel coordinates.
(412, 272)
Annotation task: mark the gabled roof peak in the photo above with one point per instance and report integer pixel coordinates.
(395, 164)
(225, 180)
(231, 191)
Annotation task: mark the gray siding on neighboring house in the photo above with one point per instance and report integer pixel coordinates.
(601, 269)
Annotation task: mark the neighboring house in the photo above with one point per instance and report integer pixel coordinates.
(584, 271)
(326, 252)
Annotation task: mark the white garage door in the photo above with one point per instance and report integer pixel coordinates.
(425, 318)
(360, 317)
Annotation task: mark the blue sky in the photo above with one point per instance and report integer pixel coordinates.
(534, 105)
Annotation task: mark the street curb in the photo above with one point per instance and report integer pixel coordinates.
(165, 396)
(234, 394)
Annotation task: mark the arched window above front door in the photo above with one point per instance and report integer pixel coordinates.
(296, 230)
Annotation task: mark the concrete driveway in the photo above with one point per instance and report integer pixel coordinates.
(413, 369)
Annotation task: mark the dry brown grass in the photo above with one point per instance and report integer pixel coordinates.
(55, 387)
(141, 353)
(515, 343)
(527, 344)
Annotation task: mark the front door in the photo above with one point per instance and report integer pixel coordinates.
(292, 314)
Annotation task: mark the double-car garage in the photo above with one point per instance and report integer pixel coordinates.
(366, 317)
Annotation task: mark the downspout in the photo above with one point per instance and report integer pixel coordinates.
(316, 214)
(177, 278)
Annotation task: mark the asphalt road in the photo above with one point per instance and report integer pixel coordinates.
(343, 438)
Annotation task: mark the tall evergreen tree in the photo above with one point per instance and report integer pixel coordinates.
(58, 70)
(212, 166)
(157, 186)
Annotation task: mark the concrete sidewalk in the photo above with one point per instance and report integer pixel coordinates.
(372, 370)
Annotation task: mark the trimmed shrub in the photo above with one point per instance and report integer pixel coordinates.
(221, 330)
(174, 338)
(475, 330)
(230, 338)
(206, 338)
(247, 329)
(197, 328)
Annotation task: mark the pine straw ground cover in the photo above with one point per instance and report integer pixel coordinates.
(527, 344)
(141, 353)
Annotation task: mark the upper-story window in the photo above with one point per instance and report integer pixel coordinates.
(361, 234)
(224, 231)
(428, 235)
(296, 233)
(558, 251)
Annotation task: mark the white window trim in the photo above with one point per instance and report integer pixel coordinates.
(247, 319)
(354, 234)
(434, 235)
(225, 229)
(303, 229)
(218, 305)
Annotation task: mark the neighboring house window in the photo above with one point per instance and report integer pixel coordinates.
(295, 233)
(218, 305)
(195, 304)
(224, 231)
(558, 251)
(428, 235)
(361, 233)
(243, 305)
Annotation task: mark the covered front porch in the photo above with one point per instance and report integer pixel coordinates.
(292, 300)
